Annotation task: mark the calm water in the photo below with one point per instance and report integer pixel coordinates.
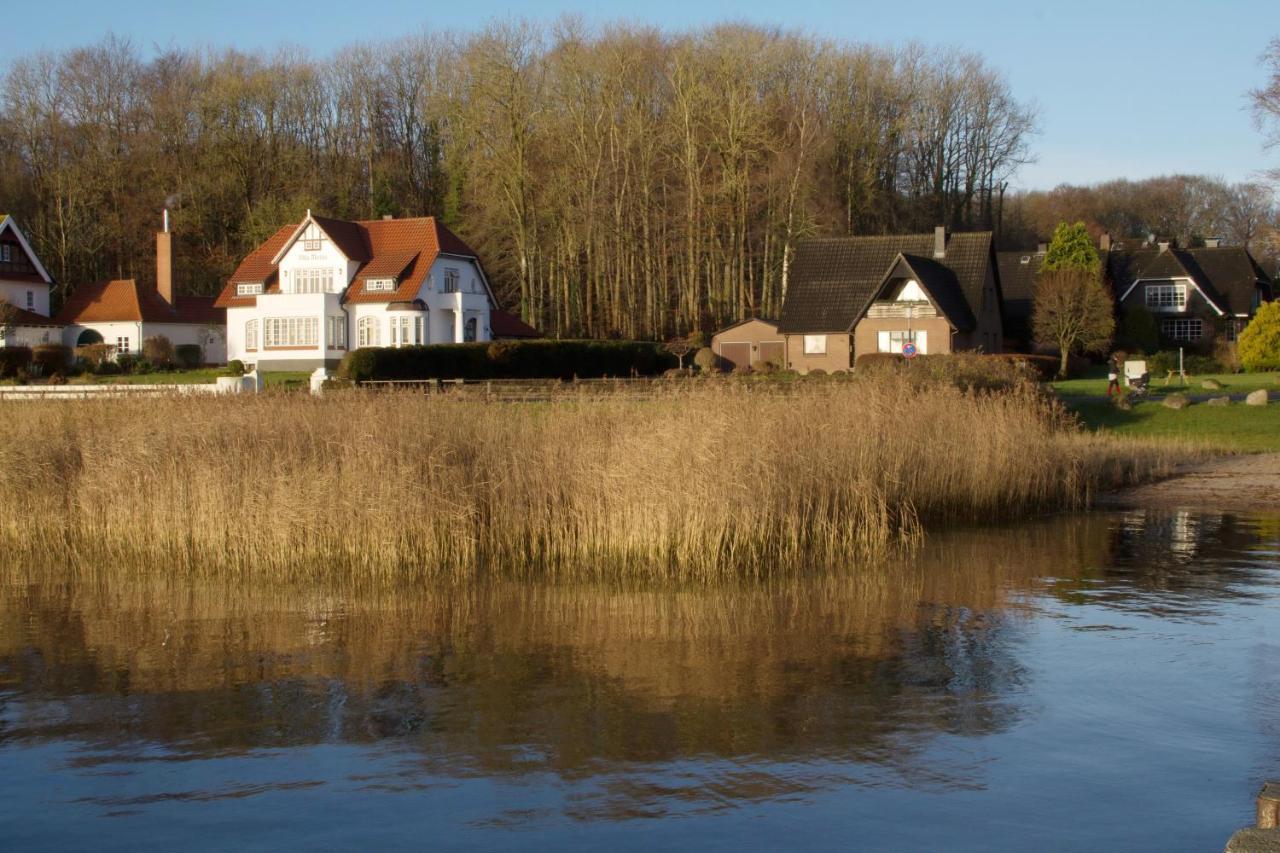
(1110, 682)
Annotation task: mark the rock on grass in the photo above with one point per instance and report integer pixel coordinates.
(1176, 401)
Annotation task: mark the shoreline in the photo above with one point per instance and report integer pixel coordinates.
(1244, 483)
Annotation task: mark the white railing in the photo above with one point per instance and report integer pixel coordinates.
(884, 310)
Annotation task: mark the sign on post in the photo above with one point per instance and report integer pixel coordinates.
(909, 349)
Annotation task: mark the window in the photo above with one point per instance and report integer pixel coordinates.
(380, 284)
(1166, 297)
(407, 330)
(337, 333)
(1234, 327)
(290, 332)
(319, 280)
(1183, 329)
(895, 341)
(450, 283)
(367, 332)
(6, 252)
(815, 344)
(249, 289)
(310, 245)
(31, 300)
(419, 329)
(251, 335)
(122, 345)
(469, 329)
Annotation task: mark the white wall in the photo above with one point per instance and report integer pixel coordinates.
(109, 331)
(211, 339)
(328, 257)
(30, 336)
(15, 293)
(472, 300)
(283, 305)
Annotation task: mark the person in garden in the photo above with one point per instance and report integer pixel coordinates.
(1113, 376)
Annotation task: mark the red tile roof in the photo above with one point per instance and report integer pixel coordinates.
(385, 248)
(123, 300)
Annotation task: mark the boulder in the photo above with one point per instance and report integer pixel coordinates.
(1211, 385)
(1176, 401)
(1219, 401)
(1122, 403)
(1258, 398)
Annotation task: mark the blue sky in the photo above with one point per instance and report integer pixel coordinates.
(1123, 89)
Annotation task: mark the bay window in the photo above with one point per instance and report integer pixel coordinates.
(407, 330)
(280, 332)
(367, 332)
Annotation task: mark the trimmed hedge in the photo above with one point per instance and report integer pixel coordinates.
(189, 356)
(536, 359)
(51, 358)
(13, 359)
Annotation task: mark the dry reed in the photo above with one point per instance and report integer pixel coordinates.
(708, 482)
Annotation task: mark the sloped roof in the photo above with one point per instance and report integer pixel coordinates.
(124, 300)
(1018, 283)
(7, 223)
(1228, 276)
(834, 280)
(23, 317)
(384, 248)
(506, 325)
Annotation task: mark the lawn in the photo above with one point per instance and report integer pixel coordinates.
(1240, 428)
(289, 379)
(1094, 384)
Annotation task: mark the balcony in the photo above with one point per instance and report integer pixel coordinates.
(911, 310)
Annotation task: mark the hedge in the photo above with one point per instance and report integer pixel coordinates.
(539, 359)
(189, 356)
(13, 359)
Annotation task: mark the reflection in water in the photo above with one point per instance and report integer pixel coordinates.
(646, 702)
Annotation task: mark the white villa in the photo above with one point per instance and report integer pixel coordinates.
(317, 288)
(25, 285)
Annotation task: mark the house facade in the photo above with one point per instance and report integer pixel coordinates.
(320, 287)
(26, 287)
(1196, 296)
(123, 313)
(749, 344)
(850, 296)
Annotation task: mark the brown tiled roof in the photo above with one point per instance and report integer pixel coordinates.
(505, 325)
(834, 280)
(23, 317)
(403, 248)
(1228, 276)
(1018, 283)
(124, 300)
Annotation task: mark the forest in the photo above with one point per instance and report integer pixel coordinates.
(617, 181)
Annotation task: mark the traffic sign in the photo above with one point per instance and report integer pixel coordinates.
(909, 349)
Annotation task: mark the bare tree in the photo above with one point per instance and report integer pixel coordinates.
(1073, 311)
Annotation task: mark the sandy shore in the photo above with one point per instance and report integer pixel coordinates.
(1238, 483)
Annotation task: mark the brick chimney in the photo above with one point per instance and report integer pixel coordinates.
(940, 242)
(164, 261)
(1105, 242)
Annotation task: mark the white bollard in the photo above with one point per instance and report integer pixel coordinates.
(318, 377)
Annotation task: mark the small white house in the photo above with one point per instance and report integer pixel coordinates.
(124, 313)
(25, 285)
(320, 287)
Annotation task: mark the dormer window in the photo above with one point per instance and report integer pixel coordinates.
(380, 285)
(1166, 297)
(249, 288)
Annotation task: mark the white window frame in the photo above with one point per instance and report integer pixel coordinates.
(368, 333)
(251, 335)
(313, 245)
(379, 285)
(1165, 297)
(290, 332)
(312, 280)
(122, 344)
(893, 340)
(337, 332)
(249, 288)
(1180, 329)
(449, 282)
(815, 344)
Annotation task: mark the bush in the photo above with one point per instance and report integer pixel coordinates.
(143, 366)
(877, 362)
(532, 359)
(126, 362)
(1259, 344)
(1044, 367)
(94, 354)
(705, 360)
(107, 368)
(1139, 330)
(51, 358)
(235, 367)
(189, 356)
(13, 359)
(1165, 361)
(159, 351)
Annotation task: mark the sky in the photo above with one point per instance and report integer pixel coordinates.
(1122, 89)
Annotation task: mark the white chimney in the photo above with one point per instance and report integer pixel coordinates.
(940, 241)
(1212, 242)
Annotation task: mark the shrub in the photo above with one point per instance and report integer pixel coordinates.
(1259, 343)
(51, 358)
(1165, 361)
(878, 362)
(13, 359)
(1044, 367)
(94, 354)
(531, 359)
(1227, 354)
(159, 351)
(705, 359)
(126, 361)
(1139, 330)
(107, 368)
(235, 367)
(143, 366)
(189, 356)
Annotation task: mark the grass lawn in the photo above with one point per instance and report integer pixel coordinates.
(285, 379)
(1094, 384)
(1241, 428)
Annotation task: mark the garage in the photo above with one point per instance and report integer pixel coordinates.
(748, 344)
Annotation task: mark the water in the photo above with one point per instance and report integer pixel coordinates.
(1101, 682)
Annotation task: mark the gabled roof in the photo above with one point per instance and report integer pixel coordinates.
(124, 300)
(834, 280)
(505, 325)
(404, 249)
(1018, 271)
(1227, 276)
(23, 317)
(939, 283)
(7, 224)
(766, 320)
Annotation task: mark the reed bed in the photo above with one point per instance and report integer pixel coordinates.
(703, 483)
